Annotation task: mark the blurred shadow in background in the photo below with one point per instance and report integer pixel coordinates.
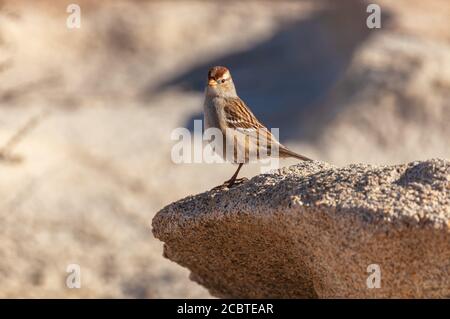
(285, 78)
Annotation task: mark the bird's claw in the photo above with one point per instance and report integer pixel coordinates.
(229, 184)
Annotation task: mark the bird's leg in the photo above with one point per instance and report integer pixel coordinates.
(232, 180)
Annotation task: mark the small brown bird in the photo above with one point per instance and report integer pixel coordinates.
(249, 139)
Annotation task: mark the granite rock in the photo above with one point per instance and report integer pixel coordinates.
(313, 230)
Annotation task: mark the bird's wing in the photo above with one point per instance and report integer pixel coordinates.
(238, 117)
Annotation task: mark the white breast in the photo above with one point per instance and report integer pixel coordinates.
(211, 118)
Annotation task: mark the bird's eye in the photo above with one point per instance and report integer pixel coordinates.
(222, 81)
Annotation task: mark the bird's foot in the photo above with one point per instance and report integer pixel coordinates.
(230, 183)
(237, 181)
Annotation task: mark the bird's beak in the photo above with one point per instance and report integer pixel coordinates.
(212, 82)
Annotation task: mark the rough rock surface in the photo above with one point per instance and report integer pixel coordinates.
(312, 230)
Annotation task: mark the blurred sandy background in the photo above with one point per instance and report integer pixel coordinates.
(97, 167)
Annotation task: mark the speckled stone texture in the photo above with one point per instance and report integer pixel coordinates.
(311, 230)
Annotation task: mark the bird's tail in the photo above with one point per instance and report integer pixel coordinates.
(285, 152)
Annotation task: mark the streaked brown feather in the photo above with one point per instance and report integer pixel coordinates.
(238, 115)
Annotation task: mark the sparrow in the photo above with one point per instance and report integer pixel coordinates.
(242, 132)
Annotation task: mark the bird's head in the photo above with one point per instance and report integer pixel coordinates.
(220, 82)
